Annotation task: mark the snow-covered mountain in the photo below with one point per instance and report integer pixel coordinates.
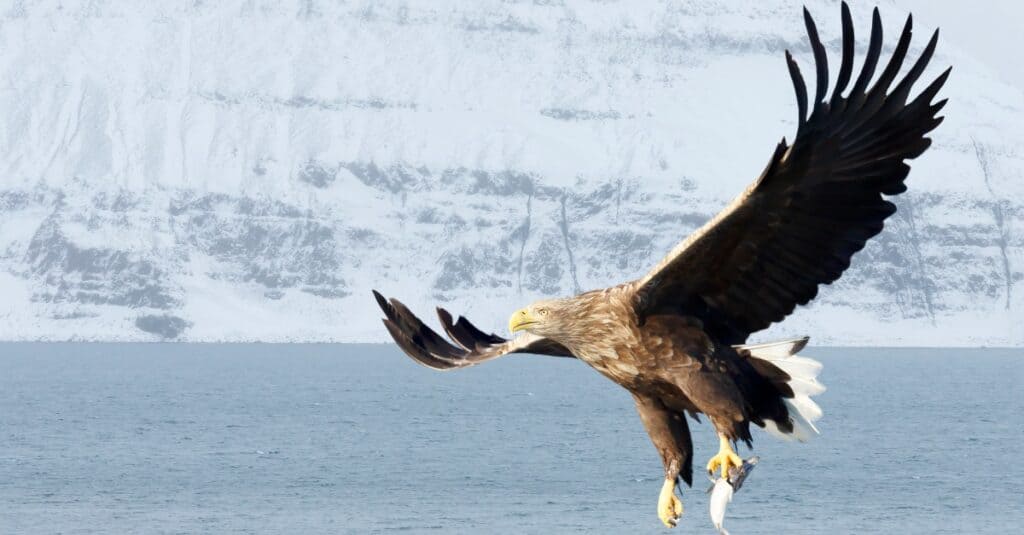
(247, 170)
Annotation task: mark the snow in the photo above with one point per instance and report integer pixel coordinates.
(246, 170)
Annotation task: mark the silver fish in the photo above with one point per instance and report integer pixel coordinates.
(722, 489)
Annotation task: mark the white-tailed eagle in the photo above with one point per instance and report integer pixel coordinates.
(676, 338)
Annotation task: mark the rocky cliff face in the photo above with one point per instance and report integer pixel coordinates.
(248, 171)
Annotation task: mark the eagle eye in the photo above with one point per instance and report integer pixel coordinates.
(543, 312)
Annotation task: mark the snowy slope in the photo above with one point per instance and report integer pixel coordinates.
(249, 170)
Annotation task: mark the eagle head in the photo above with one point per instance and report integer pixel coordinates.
(543, 318)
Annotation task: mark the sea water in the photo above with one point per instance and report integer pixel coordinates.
(165, 438)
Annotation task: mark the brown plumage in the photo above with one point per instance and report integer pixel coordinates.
(674, 337)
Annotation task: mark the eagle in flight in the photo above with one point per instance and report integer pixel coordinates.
(676, 338)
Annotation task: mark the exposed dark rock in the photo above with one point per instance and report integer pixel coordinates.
(316, 174)
(165, 326)
(107, 276)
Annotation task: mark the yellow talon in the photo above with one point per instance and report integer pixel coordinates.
(670, 507)
(725, 458)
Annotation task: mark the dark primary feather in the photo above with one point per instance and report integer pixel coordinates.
(820, 57)
(428, 348)
(815, 205)
(846, 66)
(465, 333)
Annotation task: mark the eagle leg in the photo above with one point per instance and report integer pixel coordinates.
(725, 458)
(671, 436)
(670, 507)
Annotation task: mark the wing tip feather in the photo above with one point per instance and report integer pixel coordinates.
(820, 57)
(846, 63)
(381, 300)
(799, 87)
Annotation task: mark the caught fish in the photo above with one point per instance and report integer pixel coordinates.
(722, 489)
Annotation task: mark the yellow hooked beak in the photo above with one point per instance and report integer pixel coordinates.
(520, 320)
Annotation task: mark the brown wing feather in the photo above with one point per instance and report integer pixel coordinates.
(817, 202)
(428, 348)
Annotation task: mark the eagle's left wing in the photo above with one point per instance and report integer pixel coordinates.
(817, 203)
(474, 346)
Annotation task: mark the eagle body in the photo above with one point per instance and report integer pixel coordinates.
(677, 338)
(672, 360)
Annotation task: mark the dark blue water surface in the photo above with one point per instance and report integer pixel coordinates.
(136, 438)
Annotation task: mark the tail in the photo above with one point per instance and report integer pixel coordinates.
(800, 379)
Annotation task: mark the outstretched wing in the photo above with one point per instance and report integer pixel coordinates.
(817, 202)
(472, 346)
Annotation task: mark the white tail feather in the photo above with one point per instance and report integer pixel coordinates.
(771, 350)
(803, 373)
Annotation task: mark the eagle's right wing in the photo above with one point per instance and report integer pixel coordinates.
(817, 203)
(474, 346)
